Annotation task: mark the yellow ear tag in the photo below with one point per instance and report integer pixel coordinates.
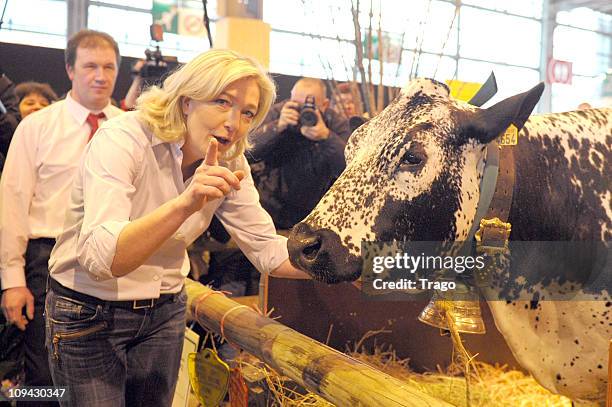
(510, 136)
(209, 377)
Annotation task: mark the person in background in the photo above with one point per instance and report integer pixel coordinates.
(136, 87)
(347, 101)
(36, 182)
(147, 187)
(33, 96)
(11, 338)
(294, 164)
(9, 115)
(344, 102)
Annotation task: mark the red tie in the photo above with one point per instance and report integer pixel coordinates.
(92, 119)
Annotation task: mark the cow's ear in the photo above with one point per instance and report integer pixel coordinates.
(488, 124)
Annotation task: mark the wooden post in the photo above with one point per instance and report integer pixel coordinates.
(336, 377)
(609, 398)
(263, 292)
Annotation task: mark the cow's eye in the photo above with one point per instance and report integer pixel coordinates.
(410, 159)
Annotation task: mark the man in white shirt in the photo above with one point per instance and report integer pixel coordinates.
(36, 184)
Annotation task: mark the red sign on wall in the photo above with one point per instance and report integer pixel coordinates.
(559, 72)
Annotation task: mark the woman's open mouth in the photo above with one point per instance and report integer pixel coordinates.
(222, 141)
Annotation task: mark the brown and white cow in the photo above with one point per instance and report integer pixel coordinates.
(413, 174)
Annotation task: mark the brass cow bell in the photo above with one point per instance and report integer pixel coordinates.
(463, 306)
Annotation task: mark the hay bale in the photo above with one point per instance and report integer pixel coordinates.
(490, 386)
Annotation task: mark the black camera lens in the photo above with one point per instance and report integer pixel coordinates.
(308, 117)
(308, 112)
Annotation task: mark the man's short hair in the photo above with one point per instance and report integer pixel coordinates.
(89, 39)
(313, 82)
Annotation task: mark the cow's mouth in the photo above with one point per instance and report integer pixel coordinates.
(321, 254)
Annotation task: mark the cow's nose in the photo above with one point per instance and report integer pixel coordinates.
(320, 253)
(304, 245)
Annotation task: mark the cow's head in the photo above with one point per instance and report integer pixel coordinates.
(413, 173)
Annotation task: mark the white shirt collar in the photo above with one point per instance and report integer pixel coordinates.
(80, 112)
(157, 141)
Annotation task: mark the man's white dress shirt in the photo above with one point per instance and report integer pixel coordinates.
(37, 178)
(126, 173)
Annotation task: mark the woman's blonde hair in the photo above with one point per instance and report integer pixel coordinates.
(203, 79)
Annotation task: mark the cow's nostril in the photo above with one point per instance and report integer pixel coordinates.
(311, 249)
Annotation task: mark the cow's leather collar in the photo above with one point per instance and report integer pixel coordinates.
(490, 224)
(494, 227)
(490, 228)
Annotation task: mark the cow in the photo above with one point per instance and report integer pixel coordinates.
(414, 174)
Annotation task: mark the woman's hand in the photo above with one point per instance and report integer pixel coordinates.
(210, 181)
(287, 270)
(144, 236)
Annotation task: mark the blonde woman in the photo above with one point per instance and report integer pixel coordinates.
(148, 185)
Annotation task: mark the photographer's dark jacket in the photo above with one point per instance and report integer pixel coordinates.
(291, 172)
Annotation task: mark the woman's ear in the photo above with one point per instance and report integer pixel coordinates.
(186, 105)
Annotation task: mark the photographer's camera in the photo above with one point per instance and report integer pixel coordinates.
(155, 66)
(308, 113)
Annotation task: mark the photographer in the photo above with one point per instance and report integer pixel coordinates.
(129, 103)
(147, 72)
(296, 162)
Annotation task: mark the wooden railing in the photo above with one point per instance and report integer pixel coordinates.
(335, 376)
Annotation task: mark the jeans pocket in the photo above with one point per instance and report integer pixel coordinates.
(68, 311)
(70, 320)
(71, 335)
